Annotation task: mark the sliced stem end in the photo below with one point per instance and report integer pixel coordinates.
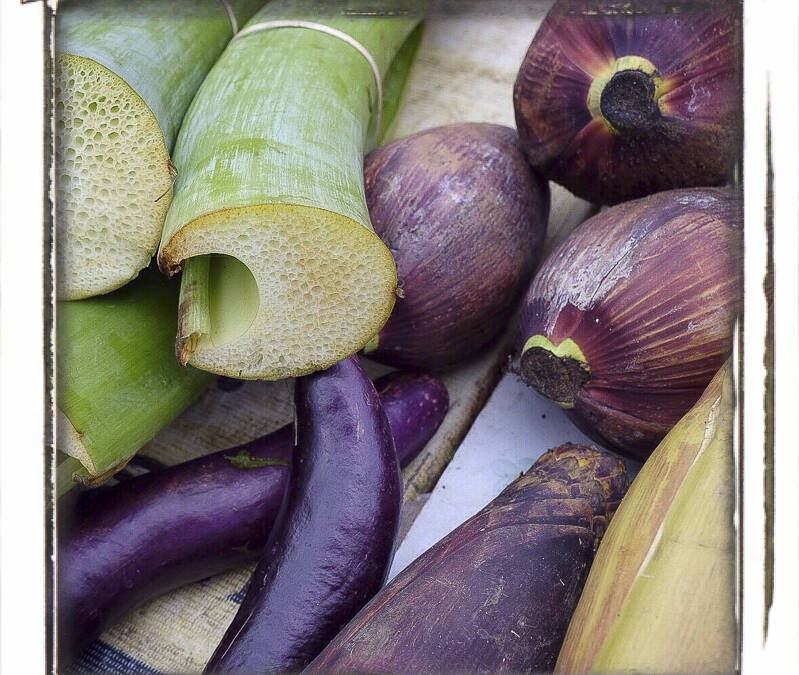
(626, 97)
(556, 372)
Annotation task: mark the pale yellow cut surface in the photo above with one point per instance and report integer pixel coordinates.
(316, 275)
(112, 179)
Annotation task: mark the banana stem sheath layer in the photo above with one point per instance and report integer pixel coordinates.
(271, 179)
(117, 380)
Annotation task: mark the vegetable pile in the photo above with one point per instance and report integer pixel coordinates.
(495, 594)
(129, 542)
(256, 170)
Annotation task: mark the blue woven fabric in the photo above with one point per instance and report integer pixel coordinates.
(101, 657)
(238, 596)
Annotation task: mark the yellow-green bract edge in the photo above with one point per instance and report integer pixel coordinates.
(660, 596)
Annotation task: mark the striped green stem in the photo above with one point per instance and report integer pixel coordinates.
(125, 75)
(271, 156)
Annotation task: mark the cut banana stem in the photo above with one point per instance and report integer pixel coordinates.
(271, 157)
(125, 75)
(117, 380)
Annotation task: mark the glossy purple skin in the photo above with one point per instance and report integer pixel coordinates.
(415, 405)
(131, 542)
(332, 551)
(138, 539)
(464, 217)
(497, 593)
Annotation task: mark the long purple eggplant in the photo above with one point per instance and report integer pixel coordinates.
(130, 542)
(415, 405)
(135, 540)
(497, 593)
(333, 548)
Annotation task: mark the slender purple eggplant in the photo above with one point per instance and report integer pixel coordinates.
(333, 548)
(415, 405)
(497, 593)
(130, 542)
(617, 100)
(133, 541)
(631, 316)
(464, 216)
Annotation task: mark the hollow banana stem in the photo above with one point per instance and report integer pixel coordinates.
(125, 75)
(271, 182)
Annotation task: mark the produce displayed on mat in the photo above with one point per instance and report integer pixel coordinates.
(333, 548)
(631, 315)
(495, 594)
(271, 182)
(248, 145)
(464, 217)
(616, 104)
(117, 380)
(665, 573)
(125, 73)
(132, 541)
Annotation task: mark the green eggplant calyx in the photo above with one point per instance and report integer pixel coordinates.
(372, 344)
(555, 371)
(244, 460)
